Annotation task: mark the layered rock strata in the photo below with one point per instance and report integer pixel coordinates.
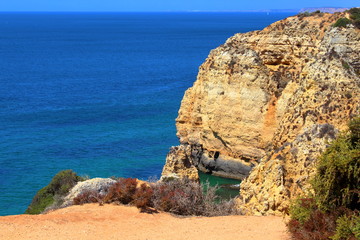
(271, 99)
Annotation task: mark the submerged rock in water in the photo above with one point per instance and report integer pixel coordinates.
(231, 186)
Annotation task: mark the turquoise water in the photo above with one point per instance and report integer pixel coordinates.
(97, 92)
(227, 187)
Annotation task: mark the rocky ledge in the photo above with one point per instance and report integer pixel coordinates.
(265, 104)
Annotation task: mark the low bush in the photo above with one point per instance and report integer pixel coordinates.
(354, 19)
(348, 227)
(355, 16)
(59, 186)
(88, 197)
(143, 197)
(332, 210)
(301, 209)
(337, 181)
(122, 191)
(342, 22)
(345, 65)
(185, 197)
(310, 14)
(317, 226)
(181, 197)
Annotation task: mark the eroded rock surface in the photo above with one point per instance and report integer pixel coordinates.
(180, 163)
(285, 172)
(273, 96)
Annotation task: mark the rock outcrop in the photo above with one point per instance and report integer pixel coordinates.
(100, 185)
(285, 172)
(180, 163)
(265, 104)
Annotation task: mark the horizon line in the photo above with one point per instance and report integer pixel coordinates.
(139, 11)
(193, 10)
(291, 10)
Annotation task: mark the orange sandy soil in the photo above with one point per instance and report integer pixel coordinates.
(91, 221)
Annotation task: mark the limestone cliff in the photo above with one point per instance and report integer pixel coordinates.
(271, 99)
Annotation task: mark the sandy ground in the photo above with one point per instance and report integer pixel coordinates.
(92, 221)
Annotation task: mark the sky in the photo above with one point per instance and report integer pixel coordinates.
(167, 5)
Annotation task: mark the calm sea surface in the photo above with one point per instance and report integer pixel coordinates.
(97, 92)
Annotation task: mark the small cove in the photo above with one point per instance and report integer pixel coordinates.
(227, 187)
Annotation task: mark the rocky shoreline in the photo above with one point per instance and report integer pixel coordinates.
(265, 105)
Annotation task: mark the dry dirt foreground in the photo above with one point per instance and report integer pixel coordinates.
(127, 223)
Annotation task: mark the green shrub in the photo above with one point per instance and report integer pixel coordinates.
(354, 127)
(354, 16)
(342, 22)
(301, 209)
(309, 14)
(339, 224)
(348, 227)
(318, 226)
(345, 65)
(354, 13)
(304, 14)
(337, 180)
(357, 23)
(59, 186)
(332, 211)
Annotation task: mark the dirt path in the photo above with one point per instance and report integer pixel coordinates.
(126, 223)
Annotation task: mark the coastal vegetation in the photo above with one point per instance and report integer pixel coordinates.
(53, 193)
(354, 19)
(177, 196)
(307, 13)
(302, 15)
(342, 22)
(331, 211)
(355, 16)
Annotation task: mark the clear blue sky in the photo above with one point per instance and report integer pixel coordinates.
(166, 5)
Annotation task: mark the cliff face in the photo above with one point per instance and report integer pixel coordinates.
(266, 102)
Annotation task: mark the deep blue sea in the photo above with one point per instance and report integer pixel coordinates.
(97, 92)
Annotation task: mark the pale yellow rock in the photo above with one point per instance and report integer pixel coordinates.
(275, 95)
(179, 164)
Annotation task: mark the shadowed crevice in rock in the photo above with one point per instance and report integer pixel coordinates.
(185, 160)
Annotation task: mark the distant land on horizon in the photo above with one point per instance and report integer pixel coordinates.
(324, 9)
(307, 9)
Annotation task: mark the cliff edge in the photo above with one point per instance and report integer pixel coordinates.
(264, 106)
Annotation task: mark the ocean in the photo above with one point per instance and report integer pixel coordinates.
(98, 93)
